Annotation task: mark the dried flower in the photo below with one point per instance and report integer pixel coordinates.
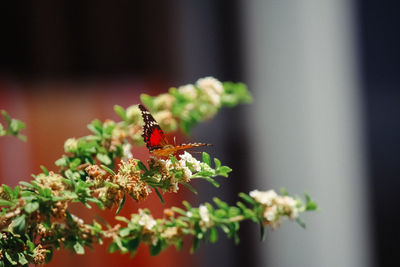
(53, 181)
(39, 255)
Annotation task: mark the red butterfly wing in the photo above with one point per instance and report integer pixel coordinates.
(153, 136)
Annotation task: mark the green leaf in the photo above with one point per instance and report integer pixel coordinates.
(8, 256)
(97, 202)
(21, 258)
(31, 245)
(18, 224)
(96, 127)
(213, 235)
(108, 170)
(124, 232)
(206, 159)
(217, 163)
(311, 205)
(104, 158)
(31, 207)
(155, 250)
(6, 116)
(121, 112)
(159, 195)
(121, 204)
(247, 198)
(301, 223)
(16, 191)
(147, 100)
(46, 192)
(22, 137)
(2, 132)
(132, 245)
(4, 202)
(223, 171)
(284, 192)
(44, 169)
(61, 162)
(16, 126)
(8, 190)
(142, 166)
(79, 248)
(191, 188)
(221, 204)
(26, 184)
(210, 180)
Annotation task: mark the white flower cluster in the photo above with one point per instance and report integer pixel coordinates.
(187, 164)
(205, 217)
(212, 88)
(276, 207)
(146, 220)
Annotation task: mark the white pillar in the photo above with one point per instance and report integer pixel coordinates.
(302, 69)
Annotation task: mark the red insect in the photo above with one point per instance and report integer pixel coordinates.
(155, 138)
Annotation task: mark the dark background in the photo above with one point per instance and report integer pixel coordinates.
(177, 42)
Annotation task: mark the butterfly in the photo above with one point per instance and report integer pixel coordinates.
(155, 138)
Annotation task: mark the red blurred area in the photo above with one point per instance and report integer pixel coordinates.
(55, 111)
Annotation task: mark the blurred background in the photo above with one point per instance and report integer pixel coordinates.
(325, 79)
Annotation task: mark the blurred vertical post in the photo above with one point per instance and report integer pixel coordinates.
(302, 67)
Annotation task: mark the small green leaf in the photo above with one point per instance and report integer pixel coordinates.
(121, 112)
(79, 248)
(247, 198)
(217, 163)
(311, 205)
(21, 258)
(97, 202)
(124, 232)
(191, 188)
(61, 162)
(210, 180)
(108, 170)
(46, 192)
(31, 207)
(6, 116)
(18, 224)
(301, 223)
(159, 195)
(4, 202)
(155, 250)
(206, 159)
(284, 192)
(104, 158)
(213, 235)
(223, 171)
(22, 137)
(121, 204)
(8, 256)
(142, 166)
(132, 245)
(44, 169)
(31, 245)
